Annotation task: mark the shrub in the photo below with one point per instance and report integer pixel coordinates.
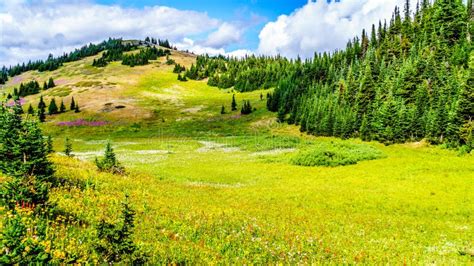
(336, 154)
(109, 162)
(24, 241)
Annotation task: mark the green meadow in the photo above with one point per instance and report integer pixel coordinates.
(212, 188)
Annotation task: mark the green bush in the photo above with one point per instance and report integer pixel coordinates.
(336, 154)
(109, 162)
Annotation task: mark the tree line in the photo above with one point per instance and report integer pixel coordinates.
(407, 79)
(138, 59)
(52, 63)
(31, 88)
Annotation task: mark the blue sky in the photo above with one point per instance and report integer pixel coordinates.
(31, 29)
(227, 10)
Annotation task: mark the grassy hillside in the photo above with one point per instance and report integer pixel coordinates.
(213, 188)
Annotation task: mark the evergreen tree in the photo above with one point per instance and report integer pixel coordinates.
(234, 104)
(73, 104)
(62, 107)
(77, 110)
(222, 110)
(23, 157)
(109, 162)
(68, 148)
(31, 111)
(53, 108)
(246, 108)
(115, 241)
(41, 110)
(51, 83)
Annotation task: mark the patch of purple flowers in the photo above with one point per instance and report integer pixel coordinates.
(12, 103)
(82, 122)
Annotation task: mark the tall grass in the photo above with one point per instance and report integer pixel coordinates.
(334, 154)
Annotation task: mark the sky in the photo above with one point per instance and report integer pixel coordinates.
(31, 29)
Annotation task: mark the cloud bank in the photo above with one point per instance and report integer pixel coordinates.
(32, 29)
(321, 26)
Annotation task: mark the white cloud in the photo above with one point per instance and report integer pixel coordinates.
(32, 29)
(226, 34)
(189, 45)
(321, 26)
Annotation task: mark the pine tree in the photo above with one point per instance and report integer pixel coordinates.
(31, 111)
(41, 110)
(53, 108)
(77, 110)
(45, 86)
(62, 107)
(68, 148)
(109, 162)
(222, 110)
(51, 83)
(42, 115)
(366, 92)
(115, 241)
(23, 157)
(73, 104)
(234, 104)
(246, 108)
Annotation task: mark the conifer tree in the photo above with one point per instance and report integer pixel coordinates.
(234, 103)
(109, 162)
(222, 110)
(77, 110)
(246, 108)
(51, 83)
(31, 111)
(62, 107)
(115, 241)
(68, 148)
(53, 108)
(73, 104)
(41, 110)
(23, 157)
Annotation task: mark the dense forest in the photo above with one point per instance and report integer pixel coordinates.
(404, 80)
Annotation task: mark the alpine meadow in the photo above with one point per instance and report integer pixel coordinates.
(169, 150)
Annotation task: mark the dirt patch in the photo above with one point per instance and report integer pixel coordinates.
(193, 110)
(264, 123)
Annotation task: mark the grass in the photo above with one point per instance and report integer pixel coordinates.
(211, 188)
(336, 154)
